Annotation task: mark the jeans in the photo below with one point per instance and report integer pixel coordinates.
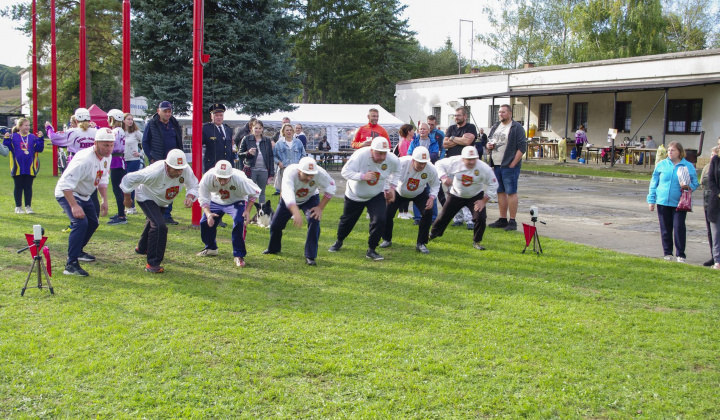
(208, 234)
(82, 229)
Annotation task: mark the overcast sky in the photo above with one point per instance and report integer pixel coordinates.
(433, 21)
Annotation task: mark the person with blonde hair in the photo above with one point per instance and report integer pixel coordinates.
(24, 149)
(117, 165)
(288, 150)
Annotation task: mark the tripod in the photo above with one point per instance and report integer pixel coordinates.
(37, 260)
(537, 248)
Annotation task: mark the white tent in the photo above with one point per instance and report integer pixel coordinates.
(337, 121)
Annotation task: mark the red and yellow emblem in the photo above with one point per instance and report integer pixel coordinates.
(302, 192)
(413, 184)
(98, 176)
(467, 180)
(375, 180)
(171, 192)
(224, 194)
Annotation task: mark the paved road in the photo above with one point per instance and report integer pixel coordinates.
(611, 215)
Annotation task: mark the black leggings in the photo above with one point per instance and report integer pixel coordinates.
(116, 175)
(23, 183)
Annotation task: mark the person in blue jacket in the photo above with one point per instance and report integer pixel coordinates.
(24, 148)
(665, 191)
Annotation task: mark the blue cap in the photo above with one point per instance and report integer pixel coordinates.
(165, 105)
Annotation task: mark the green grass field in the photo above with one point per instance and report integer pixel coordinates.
(577, 332)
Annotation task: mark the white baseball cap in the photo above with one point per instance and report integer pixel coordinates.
(104, 134)
(176, 159)
(82, 114)
(223, 169)
(308, 165)
(116, 113)
(421, 154)
(380, 144)
(469, 152)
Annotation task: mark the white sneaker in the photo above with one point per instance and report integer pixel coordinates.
(680, 259)
(207, 253)
(716, 266)
(131, 210)
(29, 210)
(668, 258)
(19, 210)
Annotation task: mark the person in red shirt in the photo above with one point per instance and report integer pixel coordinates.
(366, 133)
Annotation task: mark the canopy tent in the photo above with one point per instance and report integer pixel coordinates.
(338, 121)
(98, 116)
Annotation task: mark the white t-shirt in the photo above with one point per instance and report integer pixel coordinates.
(500, 139)
(294, 191)
(410, 183)
(153, 183)
(468, 183)
(361, 162)
(132, 144)
(238, 188)
(84, 174)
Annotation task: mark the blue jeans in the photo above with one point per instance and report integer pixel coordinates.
(208, 234)
(82, 229)
(507, 179)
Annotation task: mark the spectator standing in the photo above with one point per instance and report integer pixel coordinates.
(244, 131)
(288, 150)
(580, 140)
(162, 134)
(256, 152)
(365, 134)
(664, 193)
(217, 138)
(133, 153)
(459, 135)
(324, 146)
(300, 135)
(711, 196)
(481, 143)
(24, 149)
(507, 144)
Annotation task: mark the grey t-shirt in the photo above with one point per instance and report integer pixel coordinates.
(259, 162)
(500, 139)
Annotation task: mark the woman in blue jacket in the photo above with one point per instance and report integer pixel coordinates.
(665, 191)
(24, 161)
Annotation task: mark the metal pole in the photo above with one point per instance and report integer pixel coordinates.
(83, 58)
(459, 44)
(34, 68)
(612, 125)
(126, 57)
(567, 115)
(472, 43)
(53, 82)
(664, 126)
(197, 106)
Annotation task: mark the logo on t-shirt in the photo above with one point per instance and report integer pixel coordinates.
(182, 180)
(171, 192)
(384, 166)
(312, 182)
(302, 192)
(466, 180)
(477, 173)
(413, 184)
(98, 176)
(423, 176)
(232, 187)
(224, 194)
(376, 178)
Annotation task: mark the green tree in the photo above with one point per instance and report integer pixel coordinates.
(250, 66)
(691, 24)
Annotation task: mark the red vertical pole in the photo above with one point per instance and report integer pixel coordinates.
(34, 68)
(197, 105)
(83, 58)
(53, 82)
(126, 57)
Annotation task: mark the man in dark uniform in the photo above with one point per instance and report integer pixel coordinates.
(217, 139)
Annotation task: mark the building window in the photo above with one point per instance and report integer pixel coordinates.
(493, 114)
(518, 113)
(684, 116)
(622, 117)
(545, 117)
(436, 112)
(580, 116)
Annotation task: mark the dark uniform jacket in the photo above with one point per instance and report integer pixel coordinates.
(217, 147)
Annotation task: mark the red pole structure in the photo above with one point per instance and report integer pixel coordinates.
(34, 68)
(197, 105)
(126, 57)
(83, 58)
(53, 82)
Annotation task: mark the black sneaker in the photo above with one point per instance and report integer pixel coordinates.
(499, 223)
(336, 246)
(116, 220)
(85, 257)
(374, 255)
(416, 222)
(422, 248)
(470, 226)
(74, 269)
(512, 225)
(709, 263)
(222, 224)
(456, 224)
(171, 221)
(310, 261)
(267, 251)
(386, 244)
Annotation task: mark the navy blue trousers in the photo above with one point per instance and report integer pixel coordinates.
(82, 229)
(672, 225)
(208, 234)
(280, 220)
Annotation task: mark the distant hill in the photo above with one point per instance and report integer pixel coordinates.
(9, 76)
(10, 97)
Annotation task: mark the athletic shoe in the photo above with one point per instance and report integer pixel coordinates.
(431, 237)
(470, 226)
(499, 223)
(456, 224)
(709, 263)
(155, 269)
(276, 192)
(386, 244)
(239, 262)
(421, 248)
(222, 224)
(668, 258)
(29, 210)
(310, 261)
(336, 246)
(207, 252)
(19, 210)
(716, 266)
(512, 225)
(131, 210)
(373, 255)
(171, 221)
(74, 269)
(67, 229)
(267, 252)
(137, 251)
(477, 245)
(116, 220)
(85, 257)
(680, 259)
(416, 222)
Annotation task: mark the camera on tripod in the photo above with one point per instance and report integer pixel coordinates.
(36, 242)
(534, 213)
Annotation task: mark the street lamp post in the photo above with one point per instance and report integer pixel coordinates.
(472, 35)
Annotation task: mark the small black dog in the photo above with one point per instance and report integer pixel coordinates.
(264, 215)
